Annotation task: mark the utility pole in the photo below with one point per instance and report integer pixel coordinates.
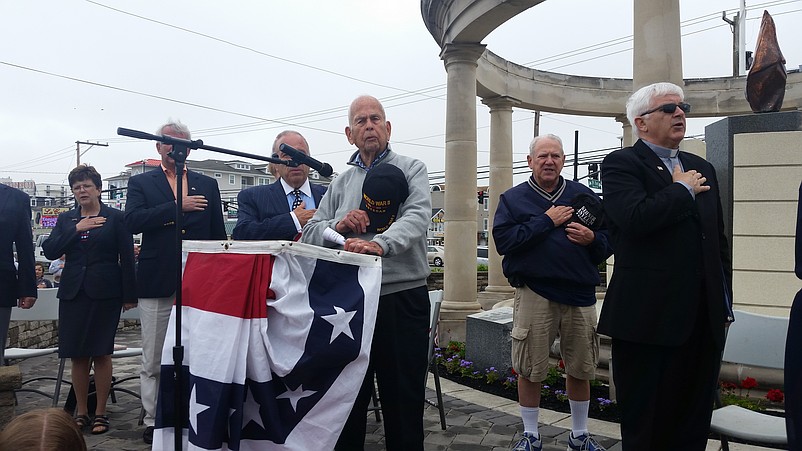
(576, 155)
(78, 149)
(738, 25)
(537, 124)
(742, 39)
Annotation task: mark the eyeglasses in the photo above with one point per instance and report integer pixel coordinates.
(669, 108)
(86, 187)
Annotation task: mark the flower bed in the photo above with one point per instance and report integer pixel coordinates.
(453, 366)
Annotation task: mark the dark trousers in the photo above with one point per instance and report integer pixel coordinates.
(793, 376)
(666, 393)
(398, 360)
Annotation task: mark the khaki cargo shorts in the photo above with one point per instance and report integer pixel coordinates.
(536, 323)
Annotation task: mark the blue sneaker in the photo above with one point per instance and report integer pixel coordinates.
(528, 442)
(583, 443)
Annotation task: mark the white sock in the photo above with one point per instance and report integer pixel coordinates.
(530, 416)
(579, 417)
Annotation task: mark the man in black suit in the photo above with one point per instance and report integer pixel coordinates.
(150, 210)
(17, 285)
(669, 296)
(280, 210)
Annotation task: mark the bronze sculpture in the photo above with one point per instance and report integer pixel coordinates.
(765, 83)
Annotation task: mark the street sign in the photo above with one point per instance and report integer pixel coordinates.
(595, 184)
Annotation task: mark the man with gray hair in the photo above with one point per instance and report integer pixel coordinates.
(280, 210)
(398, 352)
(150, 210)
(550, 232)
(669, 296)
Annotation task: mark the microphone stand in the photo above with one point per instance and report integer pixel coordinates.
(179, 153)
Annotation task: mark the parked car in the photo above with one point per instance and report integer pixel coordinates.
(38, 253)
(481, 255)
(435, 255)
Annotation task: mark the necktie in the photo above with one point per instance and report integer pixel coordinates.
(298, 200)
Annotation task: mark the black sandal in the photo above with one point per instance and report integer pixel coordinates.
(82, 421)
(100, 425)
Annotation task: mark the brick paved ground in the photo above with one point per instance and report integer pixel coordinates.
(475, 420)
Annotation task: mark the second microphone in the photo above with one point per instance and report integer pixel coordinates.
(299, 157)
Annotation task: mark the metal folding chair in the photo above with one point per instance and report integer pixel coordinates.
(435, 299)
(752, 340)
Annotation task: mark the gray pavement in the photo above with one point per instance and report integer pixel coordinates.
(475, 420)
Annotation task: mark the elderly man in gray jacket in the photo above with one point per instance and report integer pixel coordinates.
(389, 220)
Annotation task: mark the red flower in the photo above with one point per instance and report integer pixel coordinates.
(513, 372)
(561, 364)
(775, 395)
(749, 383)
(728, 386)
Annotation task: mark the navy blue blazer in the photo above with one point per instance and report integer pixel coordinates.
(667, 246)
(102, 265)
(15, 227)
(150, 210)
(264, 213)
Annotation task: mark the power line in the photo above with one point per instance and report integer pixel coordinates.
(251, 49)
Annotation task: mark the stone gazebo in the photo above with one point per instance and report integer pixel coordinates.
(458, 26)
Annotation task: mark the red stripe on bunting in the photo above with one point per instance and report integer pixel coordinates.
(229, 284)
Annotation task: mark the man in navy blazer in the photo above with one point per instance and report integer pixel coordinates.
(17, 285)
(669, 297)
(150, 210)
(273, 212)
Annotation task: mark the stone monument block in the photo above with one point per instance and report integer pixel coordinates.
(719, 137)
(487, 339)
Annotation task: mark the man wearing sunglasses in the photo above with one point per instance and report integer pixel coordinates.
(668, 299)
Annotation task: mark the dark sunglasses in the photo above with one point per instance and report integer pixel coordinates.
(669, 108)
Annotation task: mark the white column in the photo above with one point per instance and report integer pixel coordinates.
(626, 130)
(500, 181)
(657, 49)
(459, 280)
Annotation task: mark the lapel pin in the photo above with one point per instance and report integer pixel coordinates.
(659, 168)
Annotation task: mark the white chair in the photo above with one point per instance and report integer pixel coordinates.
(45, 309)
(435, 299)
(752, 340)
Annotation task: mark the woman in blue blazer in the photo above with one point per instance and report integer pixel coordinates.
(97, 281)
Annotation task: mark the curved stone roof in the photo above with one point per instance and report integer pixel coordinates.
(470, 21)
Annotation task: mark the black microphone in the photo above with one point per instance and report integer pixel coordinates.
(299, 157)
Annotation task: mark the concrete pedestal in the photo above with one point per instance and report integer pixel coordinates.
(758, 160)
(719, 137)
(487, 339)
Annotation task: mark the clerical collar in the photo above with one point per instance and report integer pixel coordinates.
(663, 152)
(549, 196)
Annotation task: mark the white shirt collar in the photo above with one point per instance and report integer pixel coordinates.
(305, 188)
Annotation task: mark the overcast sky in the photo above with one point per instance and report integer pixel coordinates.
(238, 72)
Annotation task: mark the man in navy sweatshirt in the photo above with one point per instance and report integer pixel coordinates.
(550, 232)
